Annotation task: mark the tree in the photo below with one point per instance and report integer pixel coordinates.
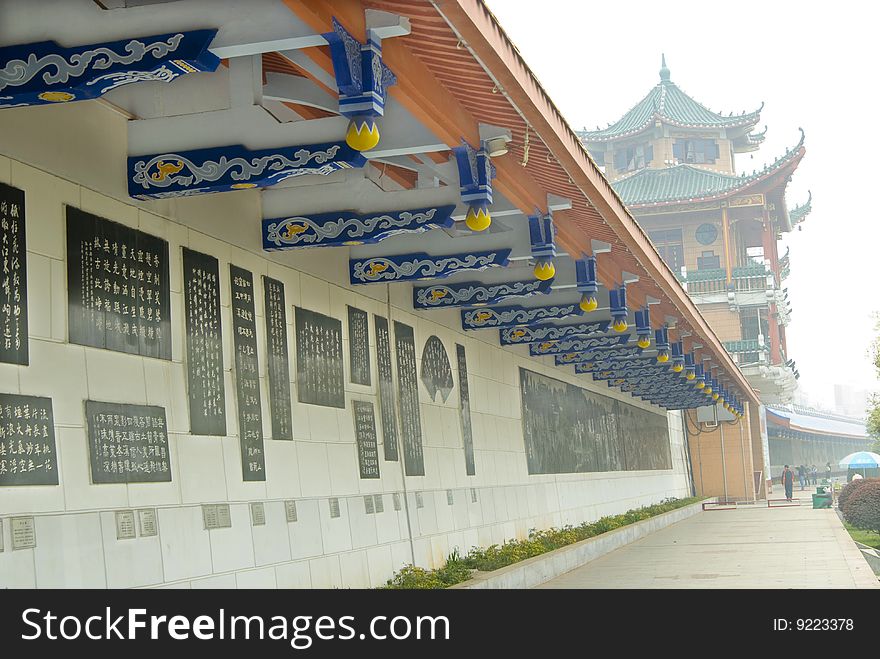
(874, 406)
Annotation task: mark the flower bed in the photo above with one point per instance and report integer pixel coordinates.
(460, 568)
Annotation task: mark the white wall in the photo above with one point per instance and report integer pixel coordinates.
(76, 155)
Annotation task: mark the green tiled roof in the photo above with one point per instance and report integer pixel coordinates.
(682, 183)
(799, 212)
(671, 105)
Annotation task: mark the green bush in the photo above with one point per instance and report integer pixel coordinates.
(863, 506)
(459, 568)
(848, 491)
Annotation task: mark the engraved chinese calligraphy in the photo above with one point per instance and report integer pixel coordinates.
(277, 356)
(365, 435)
(465, 399)
(408, 395)
(387, 411)
(118, 287)
(358, 346)
(319, 370)
(127, 443)
(13, 279)
(568, 429)
(204, 349)
(27, 441)
(247, 375)
(436, 371)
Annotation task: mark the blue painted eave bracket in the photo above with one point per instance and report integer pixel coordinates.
(44, 72)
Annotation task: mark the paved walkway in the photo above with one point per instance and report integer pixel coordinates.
(750, 547)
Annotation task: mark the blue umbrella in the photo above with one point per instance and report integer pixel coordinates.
(861, 460)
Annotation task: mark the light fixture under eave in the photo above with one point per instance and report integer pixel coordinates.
(497, 146)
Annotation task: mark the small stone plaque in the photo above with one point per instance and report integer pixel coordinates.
(334, 508)
(420, 503)
(379, 504)
(24, 535)
(216, 516)
(147, 522)
(450, 498)
(125, 529)
(396, 499)
(369, 505)
(290, 510)
(258, 514)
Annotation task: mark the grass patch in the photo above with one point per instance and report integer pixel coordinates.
(460, 568)
(865, 537)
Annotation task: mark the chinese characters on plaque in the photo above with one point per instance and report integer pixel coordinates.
(13, 296)
(247, 375)
(464, 396)
(27, 441)
(204, 349)
(386, 390)
(127, 443)
(358, 346)
(118, 287)
(319, 370)
(365, 435)
(277, 356)
(408, 395)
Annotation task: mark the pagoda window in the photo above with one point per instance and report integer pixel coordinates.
(631, 158)
(708, 261)
(668, 242)
(696, 151)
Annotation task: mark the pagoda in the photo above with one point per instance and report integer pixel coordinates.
(672, 161)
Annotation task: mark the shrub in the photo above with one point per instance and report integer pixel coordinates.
(863, 506)
(848, 491)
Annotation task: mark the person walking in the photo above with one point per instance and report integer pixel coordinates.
(788, 482)
(814, 472)
(828, 471)
(802, 476)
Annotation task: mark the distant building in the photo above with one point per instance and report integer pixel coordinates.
(850, 400)
(804, 436)
(672, 161)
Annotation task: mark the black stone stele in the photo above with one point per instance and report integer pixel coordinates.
(408, 395)
(465, 400)
(365, 436)
(204, 346)
(27, 441)
(387, 409)
(278, 359)
(13, 293)
(247, 375)
(118, 288)
(320, 375)
(568, 429)
(359, 346)
(127, 443)
(436, 371)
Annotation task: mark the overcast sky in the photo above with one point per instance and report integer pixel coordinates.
(813, 65)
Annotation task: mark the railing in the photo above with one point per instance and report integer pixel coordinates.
(714, 280)
(748, 351)
(706, 281)
(750, 278)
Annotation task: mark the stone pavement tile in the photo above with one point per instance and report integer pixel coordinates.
(750, 547)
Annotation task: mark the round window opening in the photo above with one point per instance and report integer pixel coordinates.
(707, 234)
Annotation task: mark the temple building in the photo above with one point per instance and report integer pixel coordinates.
(294, 297)
(673, 163)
